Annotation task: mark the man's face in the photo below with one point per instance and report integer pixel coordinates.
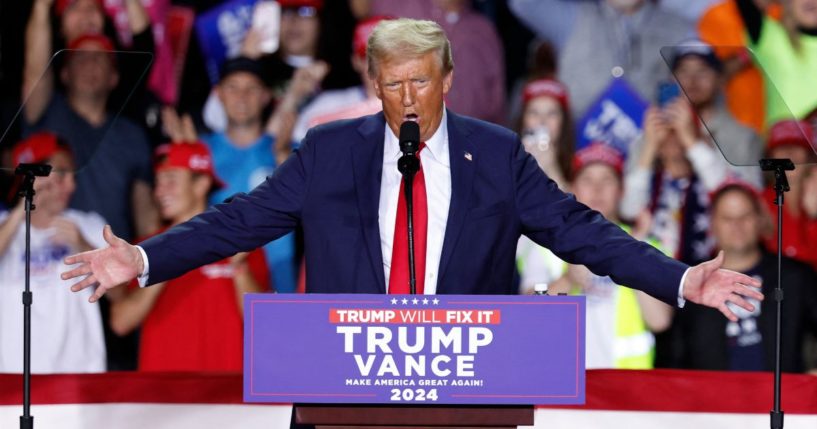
(244, 97)
(699, 81)
(90, 71)
(176, 193)
(735, 222)
(598, 186)
(54, 192)
(413, 89)
(82, 17)
(299, 31)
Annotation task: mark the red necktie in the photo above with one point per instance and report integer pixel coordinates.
(399, 276)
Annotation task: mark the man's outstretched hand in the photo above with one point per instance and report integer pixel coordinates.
(105, 268)
(710, 285)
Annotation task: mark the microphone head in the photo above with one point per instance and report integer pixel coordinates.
(409, 137)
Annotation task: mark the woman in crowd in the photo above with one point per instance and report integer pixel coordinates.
(547, 133)
(547, 128)
(675, 170)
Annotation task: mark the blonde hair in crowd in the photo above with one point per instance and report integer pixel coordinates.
(409, 38)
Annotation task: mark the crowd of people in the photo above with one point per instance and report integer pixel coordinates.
(720, 85)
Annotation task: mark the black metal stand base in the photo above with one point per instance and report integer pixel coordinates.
(777, 419)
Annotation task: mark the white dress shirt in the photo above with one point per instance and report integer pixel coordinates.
(437, 173)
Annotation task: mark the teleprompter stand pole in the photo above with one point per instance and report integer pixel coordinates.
(28, 172)
(781, 186)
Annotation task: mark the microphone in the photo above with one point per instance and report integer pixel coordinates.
(409, 137)
(408, 164)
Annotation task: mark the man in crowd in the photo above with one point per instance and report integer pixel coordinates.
(482, 190)
(243, 154)
(112, 152)
(194, 322)
(747, 344)
(673, 170)
(701, 77)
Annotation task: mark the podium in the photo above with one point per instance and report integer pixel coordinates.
(391, 417)
(388, 361)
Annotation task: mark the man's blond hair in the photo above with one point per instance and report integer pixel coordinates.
(407, 38)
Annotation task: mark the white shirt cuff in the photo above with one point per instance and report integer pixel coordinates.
(143, 277)
(681, 300)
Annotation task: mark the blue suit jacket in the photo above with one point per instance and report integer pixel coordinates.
(331, 187)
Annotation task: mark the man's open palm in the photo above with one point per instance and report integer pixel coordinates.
(105, 268)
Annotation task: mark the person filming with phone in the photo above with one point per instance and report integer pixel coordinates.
(677, 163)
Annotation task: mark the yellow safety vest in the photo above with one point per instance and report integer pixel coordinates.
(634, 344)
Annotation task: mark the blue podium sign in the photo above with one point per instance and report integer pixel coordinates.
(425, 349)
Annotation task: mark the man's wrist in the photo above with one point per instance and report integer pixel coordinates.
(143, 267)
(681, 300)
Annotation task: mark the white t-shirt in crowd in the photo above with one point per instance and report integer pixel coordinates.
(66, 330)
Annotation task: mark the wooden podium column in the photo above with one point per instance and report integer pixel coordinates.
(410, 416)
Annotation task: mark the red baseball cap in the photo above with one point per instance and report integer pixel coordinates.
(791, 132)
(601, 153)
(37, 148)
(189, 156)
(61, 5)
(99, 39)
(546, 88)
(363, 30)
(317, 4)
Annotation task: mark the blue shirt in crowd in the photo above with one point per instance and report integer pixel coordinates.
(242, 169)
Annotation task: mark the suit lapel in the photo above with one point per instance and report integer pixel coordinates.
(462, 157)
(367, 167)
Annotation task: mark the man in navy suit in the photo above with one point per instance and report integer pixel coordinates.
(482, 189)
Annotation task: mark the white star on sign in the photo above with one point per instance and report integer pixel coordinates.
(425, 301)
(404, 301)
(415, 301)
(394, 301)
(435, 301)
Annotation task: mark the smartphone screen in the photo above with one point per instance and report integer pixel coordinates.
(667, 91)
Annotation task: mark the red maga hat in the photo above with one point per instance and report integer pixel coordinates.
(189, 156)
(363, 30)
(546, 88)
(38, 147)
(791, 132)
(735, 183)
(104, 42)
(601, 153)
(317, 4)
(61, 5)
